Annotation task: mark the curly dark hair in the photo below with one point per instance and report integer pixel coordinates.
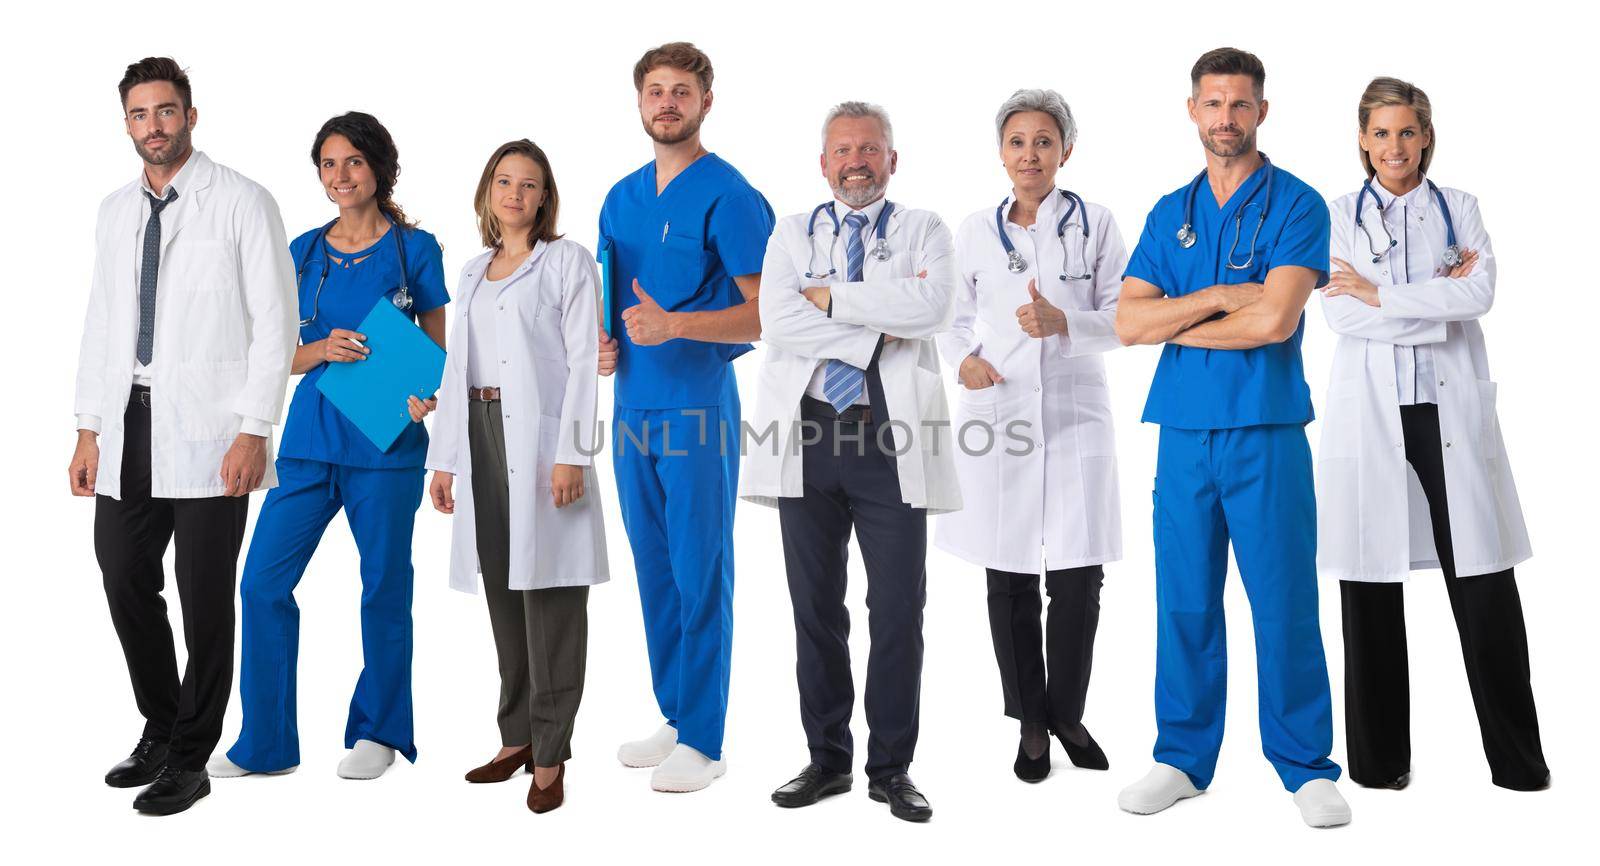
(369, 136)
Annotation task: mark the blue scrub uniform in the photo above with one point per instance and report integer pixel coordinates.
(675, 446)
(1233, 465)
(325, 463)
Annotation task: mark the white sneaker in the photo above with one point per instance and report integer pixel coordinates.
(367, 760)
(685, 770)
(1160, 788)
(649, 751)
(1321, 804)
(220, 767)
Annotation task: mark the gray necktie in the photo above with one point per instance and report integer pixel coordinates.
(149, 263)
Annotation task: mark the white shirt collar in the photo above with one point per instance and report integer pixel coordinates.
(871, 211)
(179, 182)
(1417, 197)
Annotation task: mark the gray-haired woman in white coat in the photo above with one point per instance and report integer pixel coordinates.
(516, 428)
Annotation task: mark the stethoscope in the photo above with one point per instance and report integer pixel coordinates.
(1452, 250)
(880, 249)
(1014, 261)
(402, 296)
(1186, 235)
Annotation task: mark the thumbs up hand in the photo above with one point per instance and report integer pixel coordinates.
(647, 323)
(1039, 318)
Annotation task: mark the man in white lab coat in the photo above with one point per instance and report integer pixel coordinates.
(186, 349)
(851, 431)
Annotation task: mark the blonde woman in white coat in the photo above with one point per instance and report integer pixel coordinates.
(1411, 471)
(1036, 456)
(511, 454)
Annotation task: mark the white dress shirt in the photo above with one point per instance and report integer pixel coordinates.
(483, 354)
(838, 258)
(1411, 259)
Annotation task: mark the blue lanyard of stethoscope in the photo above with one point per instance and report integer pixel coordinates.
(1186, 235)
(1016, 264)
(880, 249)
(1452, 250)
(402, 295)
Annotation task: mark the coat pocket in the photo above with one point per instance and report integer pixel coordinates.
(1488, 419)
(207, 389)
(549, 442)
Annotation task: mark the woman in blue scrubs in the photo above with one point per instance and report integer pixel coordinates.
(326, 463)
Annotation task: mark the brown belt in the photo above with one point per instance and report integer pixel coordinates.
(487, 395)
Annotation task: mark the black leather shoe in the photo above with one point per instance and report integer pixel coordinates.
(1087, 756)
(173, 791)
(142, 767)
(811, 785)
(905, 801)
(1032, 769)
(1395, 784)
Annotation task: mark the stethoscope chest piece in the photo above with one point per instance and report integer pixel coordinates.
(1015, 263)
(1186, 236)
(880, 252)
(402, 299)
(1452, 255)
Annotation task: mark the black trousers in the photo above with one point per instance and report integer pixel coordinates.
(1494, 644)
(1044, 674)
(852, 482)
(130, 539)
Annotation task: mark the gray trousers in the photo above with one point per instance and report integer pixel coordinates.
(541, 636)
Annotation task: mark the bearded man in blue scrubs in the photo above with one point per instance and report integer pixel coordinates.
(687, 234)
(1220, 277)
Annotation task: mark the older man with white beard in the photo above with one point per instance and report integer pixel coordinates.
(853, 433)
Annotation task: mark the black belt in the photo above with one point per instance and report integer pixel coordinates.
(854, 415)
(140, 395)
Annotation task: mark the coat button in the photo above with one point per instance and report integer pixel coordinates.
(1447, 444)
(512, 471)
(501, 307)
(1441, 383)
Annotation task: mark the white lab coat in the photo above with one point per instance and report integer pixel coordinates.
(224, 331)
(546, 323)
(1373, 522)
(1060, 497)
(891, 299)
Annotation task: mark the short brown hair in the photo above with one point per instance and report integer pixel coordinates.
(1229, 61)
(1392, 91)
(544, 222)
(676, 55)
(155, 69)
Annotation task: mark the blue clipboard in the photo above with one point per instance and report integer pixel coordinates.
(607, 258)
(372, 393)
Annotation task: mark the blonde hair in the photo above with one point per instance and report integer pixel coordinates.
(544, 222)
(1384, 91)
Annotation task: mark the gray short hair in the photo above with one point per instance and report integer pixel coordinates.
(858, 109)
(1047, 101)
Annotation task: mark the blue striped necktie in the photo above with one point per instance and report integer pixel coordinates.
(148, 265)
(843, 384)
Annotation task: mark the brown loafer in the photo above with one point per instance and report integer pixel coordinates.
(504, 768)
(545, 799)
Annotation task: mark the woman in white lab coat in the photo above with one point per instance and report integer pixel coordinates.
(1035, 454)
(511, 455)
(1411, 470)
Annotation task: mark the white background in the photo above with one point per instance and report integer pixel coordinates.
(453, 80)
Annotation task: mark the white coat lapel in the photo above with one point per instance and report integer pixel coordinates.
(182, 212)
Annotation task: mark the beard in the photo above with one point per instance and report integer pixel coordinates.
(177, 146)
(1242, 145)
(689, 128)
(860, 196)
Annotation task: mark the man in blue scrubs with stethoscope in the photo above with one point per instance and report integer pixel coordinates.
(1221, 276)
(687, 234)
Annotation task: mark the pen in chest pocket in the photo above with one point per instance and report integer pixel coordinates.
(664, 227)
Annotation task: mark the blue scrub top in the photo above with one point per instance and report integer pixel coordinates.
(1214, 389)
(684, 246)
(315, 429)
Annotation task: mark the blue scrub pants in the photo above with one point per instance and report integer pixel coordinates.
(1250, 485)
(677, 477)
(381, 505)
